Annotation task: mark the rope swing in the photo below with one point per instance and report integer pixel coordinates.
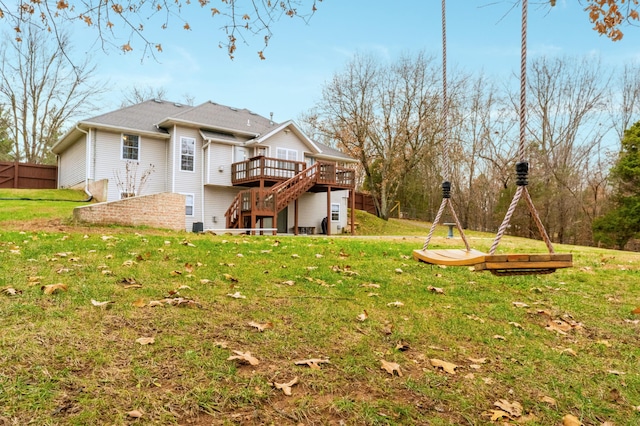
(509, 264)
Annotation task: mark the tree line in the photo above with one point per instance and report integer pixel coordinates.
(388, 115)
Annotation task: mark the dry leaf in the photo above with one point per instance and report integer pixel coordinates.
(237, 295)
(636, 311)
(478, 360)
(520, 305)
(513, 408)
(52, 288)
(496, 414)
(10, 291)
(313, 363)
(145, 340)
(370, 285)
(205, 281)
(289, 282)
(286, 387)
(100, 304)
(175, 273)
(230, 278)
(244, 357)
(140, 303)
(398, 271)
(549, 400)
(363, 316)
(435, 289)
(136, 414)
(261, 327)
(499, 337)
(396, 303)
(571, 420)
(154, 303)
(569, 351)
(516, 325)
(390, 367)
(446, 366)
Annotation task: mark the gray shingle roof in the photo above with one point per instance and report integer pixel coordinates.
(143, 116)
(212, 115)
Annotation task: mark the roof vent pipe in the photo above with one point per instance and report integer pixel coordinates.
(271, 119)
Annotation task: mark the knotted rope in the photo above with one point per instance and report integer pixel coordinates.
(446, 185)
(522, 167)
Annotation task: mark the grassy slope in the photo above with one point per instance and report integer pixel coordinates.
(571, 349)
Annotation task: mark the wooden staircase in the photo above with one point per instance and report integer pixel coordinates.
(258, 203)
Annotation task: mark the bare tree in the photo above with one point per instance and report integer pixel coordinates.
(43, 92)
(134, 95)
(386, 116)
(565, 124)
(122, 24)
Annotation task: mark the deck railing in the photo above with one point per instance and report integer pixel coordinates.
(264, 168)
(268, 201)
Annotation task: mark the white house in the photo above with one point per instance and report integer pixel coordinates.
(236, 168)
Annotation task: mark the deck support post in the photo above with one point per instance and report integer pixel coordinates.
(329, 210)
(295, 217)
(352, 206)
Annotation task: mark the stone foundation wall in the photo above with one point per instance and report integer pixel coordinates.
(166, 210)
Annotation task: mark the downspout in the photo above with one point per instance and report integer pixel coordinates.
(87, 163)
(173, 160)
(202, 187)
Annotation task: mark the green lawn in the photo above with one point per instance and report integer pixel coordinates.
(398, 342)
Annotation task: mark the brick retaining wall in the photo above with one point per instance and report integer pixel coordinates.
(166, 210)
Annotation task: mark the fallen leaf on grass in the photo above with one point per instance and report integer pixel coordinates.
(236, 295)
(230, 278)
(145, 340)
(520, 305)
(136, 414)
(286, 387)
(313, 363)
(513, 408)
(495, 415)
(205, 281)
(549, 400)
(396, 303)
(10, 291)
(499, 337)
(261, 327)
(187, 243)
(398, 271)
(52, 288)
(636, 311)
(446, 366)
(244, 357)
(372, 285)
(363, 316)
(289, 282)
(390, 367)
(437, 290)
(100, 304)
(616, 372)
(139, 303)
(571, 420)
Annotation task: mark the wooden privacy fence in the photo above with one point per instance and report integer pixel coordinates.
(28, 176)
(364, 202)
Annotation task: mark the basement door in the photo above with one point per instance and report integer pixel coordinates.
(283, 219)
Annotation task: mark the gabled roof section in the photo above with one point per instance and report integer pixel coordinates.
(142, 116)
(212, 116)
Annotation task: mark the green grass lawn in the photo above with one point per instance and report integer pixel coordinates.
(399, 342)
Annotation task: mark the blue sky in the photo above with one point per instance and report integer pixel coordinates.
(483, 36)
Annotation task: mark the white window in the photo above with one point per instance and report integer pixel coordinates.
(335, 212)
(262, 151)
(187, 154)
(287, 154)
(189, 202)
(130, 147)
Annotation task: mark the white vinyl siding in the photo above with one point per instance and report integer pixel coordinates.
(73, 165)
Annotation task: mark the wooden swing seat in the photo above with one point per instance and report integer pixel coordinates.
(501, 264)
(525, 264)
(450, 257)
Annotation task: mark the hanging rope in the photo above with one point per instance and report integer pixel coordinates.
(446, 185)
(522, 166)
